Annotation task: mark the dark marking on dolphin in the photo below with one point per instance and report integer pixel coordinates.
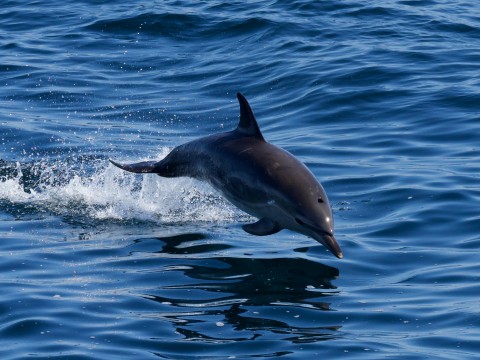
(261, 179)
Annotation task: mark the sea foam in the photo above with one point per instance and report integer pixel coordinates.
(102, 191)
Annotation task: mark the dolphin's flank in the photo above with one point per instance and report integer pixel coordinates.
(261, 179)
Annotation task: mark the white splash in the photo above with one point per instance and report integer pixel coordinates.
(111, 193)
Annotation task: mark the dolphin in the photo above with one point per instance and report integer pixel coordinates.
(259, 178)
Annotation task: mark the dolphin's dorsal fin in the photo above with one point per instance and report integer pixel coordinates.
(248, 124)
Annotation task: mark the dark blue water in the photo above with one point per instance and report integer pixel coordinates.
(381, 99)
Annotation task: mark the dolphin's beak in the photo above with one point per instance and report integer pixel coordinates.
(332, 245)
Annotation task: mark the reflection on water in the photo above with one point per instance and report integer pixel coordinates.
(240, 298)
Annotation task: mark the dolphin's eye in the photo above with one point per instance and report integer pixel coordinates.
(320, 200)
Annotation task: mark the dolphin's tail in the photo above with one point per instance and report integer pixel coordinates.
(139, 168)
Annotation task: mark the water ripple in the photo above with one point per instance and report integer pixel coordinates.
(380, 99)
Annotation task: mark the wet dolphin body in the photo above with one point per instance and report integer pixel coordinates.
(259, 178)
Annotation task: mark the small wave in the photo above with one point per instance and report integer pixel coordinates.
(181, 25)
(100, 192)
(149, 23)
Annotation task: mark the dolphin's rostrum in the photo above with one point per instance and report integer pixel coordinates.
(259, 178)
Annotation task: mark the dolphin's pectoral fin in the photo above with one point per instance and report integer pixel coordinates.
(264, 226)
(139, 168)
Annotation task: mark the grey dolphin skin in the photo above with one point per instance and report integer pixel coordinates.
(259, 178)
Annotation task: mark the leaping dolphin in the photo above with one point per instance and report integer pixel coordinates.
(259, 178)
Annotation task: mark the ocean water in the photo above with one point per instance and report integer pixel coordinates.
(381, 99)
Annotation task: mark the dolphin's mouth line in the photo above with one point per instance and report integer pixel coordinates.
(312, 228)
(324, 237)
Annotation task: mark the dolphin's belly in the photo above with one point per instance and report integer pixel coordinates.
(255, 201)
